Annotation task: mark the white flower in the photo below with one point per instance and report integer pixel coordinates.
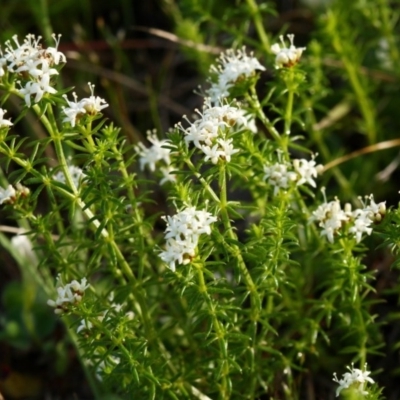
(301, 172)
(363, 218)
(219, 90)
(7, 195)
(168, 175)
(286, 56)
(211, 130)
(232, 66)
(31, 66)
(188, 223)
(31, 52)
(76, 173)
(34, 64)
(212, 153)
(308, 170)
(4, 122)
(330, 217)
(84, 325)
(361, 224)
(76, 109)
(356, 379)
(203, 132)
(93, 104)
(3, 64)
(178, 252)
(30, 49)
(279, 176)
(226, 149)
(155, 154)
(182, 235)
(70, 293)
(375, 211)
(223, 114)
(38, 89)
(52, 54)
(149, 156)
(79, 287)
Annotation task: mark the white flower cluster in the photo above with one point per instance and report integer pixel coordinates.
(150, 156)
(34, 65)
(356, 379)
(4, 123)
(10, 194)
(7, 195)
(182, 235)
(71, 293)
(76, 109)
(286, 56)
(232, 66)
(209, 133)
(76, 173)
(332, 218)
(301, 172)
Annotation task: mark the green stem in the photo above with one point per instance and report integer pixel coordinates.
(259, 24)
(42, 15)
(143, 256)
(225, 388)
(352, 68)
(355, 299)
(202, 180)
(255, 301)
(255, 103)
(289, 104)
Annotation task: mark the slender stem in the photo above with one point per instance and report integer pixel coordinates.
(259, 24)
(352, 68)
(255, 300)
(43, 18)
(225, 388)
(143, 258)
(202, 180)
(289, 104)
(255, 103)
(355, 298)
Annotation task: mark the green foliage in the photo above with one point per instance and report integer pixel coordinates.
(277, 288)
